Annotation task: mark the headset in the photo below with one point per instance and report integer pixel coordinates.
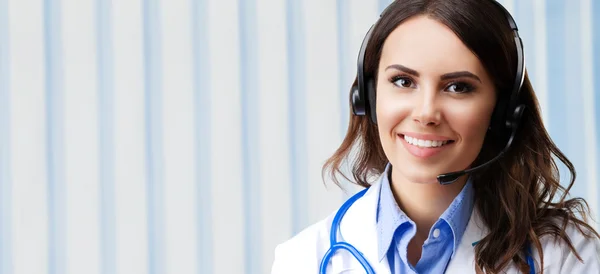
(505, 118)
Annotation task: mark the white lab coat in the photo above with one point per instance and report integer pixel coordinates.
(303, 253)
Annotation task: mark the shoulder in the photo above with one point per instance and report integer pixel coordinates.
(559, 258)
(303, 252)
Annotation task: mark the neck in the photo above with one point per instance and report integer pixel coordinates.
(424, 203)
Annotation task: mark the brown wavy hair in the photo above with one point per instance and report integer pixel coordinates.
(519, 193)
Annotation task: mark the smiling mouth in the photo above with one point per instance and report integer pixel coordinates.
(426, 143)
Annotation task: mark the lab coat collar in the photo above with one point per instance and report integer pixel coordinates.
(359, 228)
(463, 260)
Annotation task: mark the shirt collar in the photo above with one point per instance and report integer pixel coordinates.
(457, 215)
(390, 216)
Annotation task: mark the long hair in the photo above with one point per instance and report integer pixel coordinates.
(520, 197)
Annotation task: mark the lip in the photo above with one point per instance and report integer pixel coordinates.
(421, 152)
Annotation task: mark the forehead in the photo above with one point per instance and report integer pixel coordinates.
(428, 46)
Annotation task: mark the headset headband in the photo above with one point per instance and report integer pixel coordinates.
(365, 90)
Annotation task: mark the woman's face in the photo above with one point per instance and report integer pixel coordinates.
(434, 101)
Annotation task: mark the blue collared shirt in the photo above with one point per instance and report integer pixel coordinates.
(396, 230)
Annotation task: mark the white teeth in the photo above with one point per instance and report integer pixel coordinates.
(424, 143)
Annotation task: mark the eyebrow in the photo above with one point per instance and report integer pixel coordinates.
(459, 74)
(404, 69)
(447, 76)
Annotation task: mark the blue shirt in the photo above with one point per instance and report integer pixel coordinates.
(396, 230)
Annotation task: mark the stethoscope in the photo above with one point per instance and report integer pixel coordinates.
(335, 245)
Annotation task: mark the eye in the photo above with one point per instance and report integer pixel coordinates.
(460, 87)
(402, 82)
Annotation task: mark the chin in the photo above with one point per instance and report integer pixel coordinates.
(427, 181)
(423, 174)
(423, 178)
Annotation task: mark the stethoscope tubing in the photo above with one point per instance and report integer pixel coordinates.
(335, 245)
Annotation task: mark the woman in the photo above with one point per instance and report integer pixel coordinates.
(440, 89)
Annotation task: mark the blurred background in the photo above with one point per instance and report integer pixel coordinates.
(187, 136)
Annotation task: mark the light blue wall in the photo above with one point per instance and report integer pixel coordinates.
(187, 136)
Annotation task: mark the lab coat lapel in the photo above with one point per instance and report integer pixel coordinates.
(358, 227)
(463, 260)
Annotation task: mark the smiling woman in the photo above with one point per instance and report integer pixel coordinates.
(446, 118)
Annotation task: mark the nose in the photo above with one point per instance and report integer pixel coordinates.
(426, 111)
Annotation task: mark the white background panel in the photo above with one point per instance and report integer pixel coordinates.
(130, 174)
(589, 119)
(573, 97)
(362, 15)
(81, 136)
(178, 133)
(28, 137)
(5, 171)
(347, 66)
(226, 136)
(509, 5)
(322, 103)
(274, 123)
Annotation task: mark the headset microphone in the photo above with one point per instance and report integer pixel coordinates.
(448, 178)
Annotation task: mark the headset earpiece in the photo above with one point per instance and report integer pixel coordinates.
(360, 106)
(372, 100)
(514, 120)
(360, 92)
(507, 114)
(358, 103)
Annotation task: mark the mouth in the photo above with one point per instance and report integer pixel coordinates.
(426, 147)
(424, 143)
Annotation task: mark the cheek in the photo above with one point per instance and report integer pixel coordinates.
(471, 122)
(391, 110)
